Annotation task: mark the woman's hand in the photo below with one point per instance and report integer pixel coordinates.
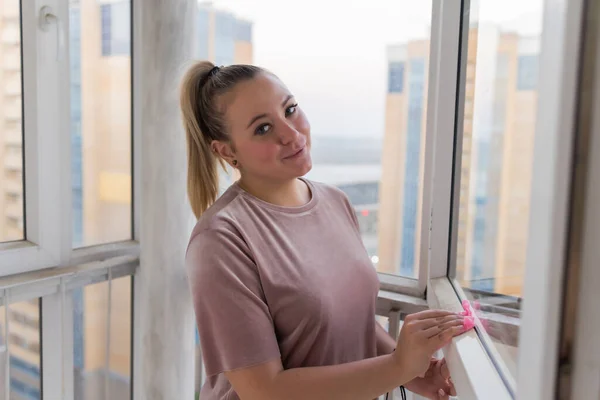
(422, 335)
(436, 384)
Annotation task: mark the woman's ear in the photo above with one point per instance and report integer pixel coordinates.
(225, 152)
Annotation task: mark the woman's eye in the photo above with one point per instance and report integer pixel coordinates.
(291, 109)
(263, 129)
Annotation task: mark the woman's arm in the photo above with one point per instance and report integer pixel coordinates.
(422, 334)
(360, 380)
(435, 379)
(385, 343)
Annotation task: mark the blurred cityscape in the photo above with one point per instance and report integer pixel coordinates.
(382, 177)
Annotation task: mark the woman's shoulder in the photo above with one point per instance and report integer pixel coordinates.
(217, 246)
(327, 190)
(219, 219)
(330, 193)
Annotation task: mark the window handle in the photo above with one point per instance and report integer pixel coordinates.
(46, 18)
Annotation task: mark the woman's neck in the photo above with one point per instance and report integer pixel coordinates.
(293, 193)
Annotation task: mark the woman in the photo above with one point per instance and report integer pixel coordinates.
(284, 291)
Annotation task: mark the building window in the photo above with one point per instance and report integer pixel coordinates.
(225, 34)
(413, 153)
(115, 28)
(105, 26)
(527, 72)
(396, 77)
(244, 31)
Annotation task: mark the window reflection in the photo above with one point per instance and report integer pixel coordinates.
(11, 118)
(98, 333)
(100, 84)
(497, 159)
(24, 349)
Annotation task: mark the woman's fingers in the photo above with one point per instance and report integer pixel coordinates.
(444, 371)
(451, 389)
(441, 339)
(428, 314)
(442, 395)
(433, 327)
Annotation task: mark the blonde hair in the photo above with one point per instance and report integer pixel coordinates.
(201, 87)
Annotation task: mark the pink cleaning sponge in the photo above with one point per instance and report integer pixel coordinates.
(469, 321)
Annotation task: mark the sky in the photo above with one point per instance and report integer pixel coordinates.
(332, 53)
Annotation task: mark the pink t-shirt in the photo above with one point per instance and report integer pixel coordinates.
(273, 282)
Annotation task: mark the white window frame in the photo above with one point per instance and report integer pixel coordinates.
(586, 353)
(49, 268)
(477, 370)
(44, 265)
(397, 283)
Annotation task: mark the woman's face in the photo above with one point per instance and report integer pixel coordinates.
(270, 135)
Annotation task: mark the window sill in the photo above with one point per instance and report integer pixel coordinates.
(388, 302)
(400, 284)
(45, 282)
(474, 374)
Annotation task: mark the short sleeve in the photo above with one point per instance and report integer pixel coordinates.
(351, 212)
(235, 327)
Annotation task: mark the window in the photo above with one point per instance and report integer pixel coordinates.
(100, 123)
(527, 72)
(115, 27)
(225, 37)
(496, 172)
(11, 136)
(91, 205)
(102, 327)
(244, 31)
(371, 144)
(389, 129)
(20, 338)
(396, 77)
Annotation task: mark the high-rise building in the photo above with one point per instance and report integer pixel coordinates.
(504, 196)
(223, 39)
(500, 101)
(465, 225)
(11, 141)
(400, 192)
(23, 337)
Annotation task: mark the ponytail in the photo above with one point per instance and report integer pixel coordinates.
(201, 86)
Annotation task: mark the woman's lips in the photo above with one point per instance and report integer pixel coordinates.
(296, 154)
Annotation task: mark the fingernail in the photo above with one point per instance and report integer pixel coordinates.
(441, 392)
(468, 323)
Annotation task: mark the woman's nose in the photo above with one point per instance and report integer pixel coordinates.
(288, 133)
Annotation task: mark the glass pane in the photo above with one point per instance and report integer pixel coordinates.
(24, 338)
(364, 92)
(92, 342)
(497, 159)
(100, 120)
(11, 118)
